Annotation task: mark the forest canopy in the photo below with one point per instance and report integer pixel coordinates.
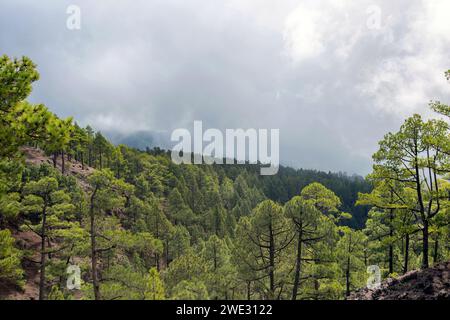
(141, 227)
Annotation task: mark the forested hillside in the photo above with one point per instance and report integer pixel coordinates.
(141, 227)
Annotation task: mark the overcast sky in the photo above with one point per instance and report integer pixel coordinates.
(333, 75)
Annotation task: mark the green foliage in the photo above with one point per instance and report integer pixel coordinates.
(323, 199)
(16, 77)
(350, 254)
(49, 215)
(20, 122)
(190, 290)
(315, 238)
(56, 294)
(10, 259)
(141, 227)
(10, 206)
(221, 273)
(188, 267)
(155, 286)
(409, 163)
(261, 240)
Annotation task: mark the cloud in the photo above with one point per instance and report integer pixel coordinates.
(321, 71)
(303, 36)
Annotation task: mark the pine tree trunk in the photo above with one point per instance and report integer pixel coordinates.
(298, 265)
(405, 266)
(347, 271)
(347, 278)
(43, 255)
(391, 246)
(425, 262)
(63, 163)
(425, 232)
(158, 266)
(55, 158)
(95, 281)
(271, 263)
(215, 258)
(167, 253)
(436, 251)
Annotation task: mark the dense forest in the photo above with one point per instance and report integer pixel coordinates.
(140, 227)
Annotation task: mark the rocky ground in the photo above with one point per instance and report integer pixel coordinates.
(30, 242)
(428, 284)
(37, 157)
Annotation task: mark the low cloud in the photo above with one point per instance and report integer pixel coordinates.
(332, 81)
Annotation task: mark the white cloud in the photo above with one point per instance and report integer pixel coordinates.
(411, 72)
(324, 26)
(312, 68)
(302, 34)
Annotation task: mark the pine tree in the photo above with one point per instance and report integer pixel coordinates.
(10, 259)
(413, 158)
(50, 204)
(350, 252)
(390, 218)
(261, 240)
(190, 290)
(188, 269)
(16, 78)
(155, 287)
(305, 218)
(59, 137)
(221, 273)
(101, 198)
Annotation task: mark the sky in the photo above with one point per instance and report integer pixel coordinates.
(333, 75)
